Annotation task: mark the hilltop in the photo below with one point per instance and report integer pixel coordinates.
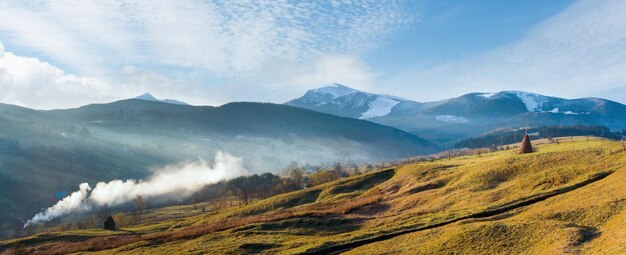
(150, 97)
(564, 198)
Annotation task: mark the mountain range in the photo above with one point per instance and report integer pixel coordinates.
(448, 120)
(57, 149)
(46, 153)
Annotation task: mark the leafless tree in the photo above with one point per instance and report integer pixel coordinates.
(103, 213)
(229, 196)
(18, 227)
(297, 176)
(140, 204)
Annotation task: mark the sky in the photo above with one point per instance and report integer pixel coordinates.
(63, 54)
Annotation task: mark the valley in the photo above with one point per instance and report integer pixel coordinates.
(572, 190)
(312, 127)
(57, 150)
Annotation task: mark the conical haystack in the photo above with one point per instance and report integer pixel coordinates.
(109, 223)
(526, 147)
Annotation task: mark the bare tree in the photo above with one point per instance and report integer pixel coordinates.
(339, 169)
(321, 177)
(103, 213)
(229, 196)
(243, 196)
(93, 221)
(18, 227)
(140, 204)
(297, 176)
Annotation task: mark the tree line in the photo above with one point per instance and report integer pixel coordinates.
(510, 136)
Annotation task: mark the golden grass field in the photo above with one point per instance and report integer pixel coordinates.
(567, 198)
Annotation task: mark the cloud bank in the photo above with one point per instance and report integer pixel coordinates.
(31, 82)
(199, 45)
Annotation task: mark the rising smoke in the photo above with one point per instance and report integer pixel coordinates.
(181, 180)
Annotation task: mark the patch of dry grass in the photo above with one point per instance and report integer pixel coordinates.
(402, 203)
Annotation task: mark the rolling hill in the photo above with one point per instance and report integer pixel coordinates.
(446, 121)
(565, 198)
(46, 154)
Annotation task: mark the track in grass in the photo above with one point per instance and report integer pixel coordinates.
(343, 247)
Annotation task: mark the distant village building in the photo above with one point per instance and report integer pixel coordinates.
(109, 223)
(309, 170)
(526, 146)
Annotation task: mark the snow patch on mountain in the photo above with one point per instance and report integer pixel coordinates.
(487, 95)
(451, 119)
(532, 101)
(335, 90)
(380, 107)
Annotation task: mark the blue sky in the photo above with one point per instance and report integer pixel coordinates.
(57, 54)
(449, 30)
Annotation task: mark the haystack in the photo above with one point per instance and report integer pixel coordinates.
(109, 223)
(526, 147)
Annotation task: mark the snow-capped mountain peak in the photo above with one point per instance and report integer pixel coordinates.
(335, 90)
(342, 100)
(470, 113)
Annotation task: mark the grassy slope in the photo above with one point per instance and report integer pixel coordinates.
(391, 212)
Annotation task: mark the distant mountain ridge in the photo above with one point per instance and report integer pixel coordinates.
(150, 97)
(246, 119)
(471, 114)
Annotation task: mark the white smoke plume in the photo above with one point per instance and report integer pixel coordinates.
(181, 180)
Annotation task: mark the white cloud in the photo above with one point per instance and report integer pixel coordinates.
(578, 52)
(30, 82)
(223, 37)
(236, 43)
